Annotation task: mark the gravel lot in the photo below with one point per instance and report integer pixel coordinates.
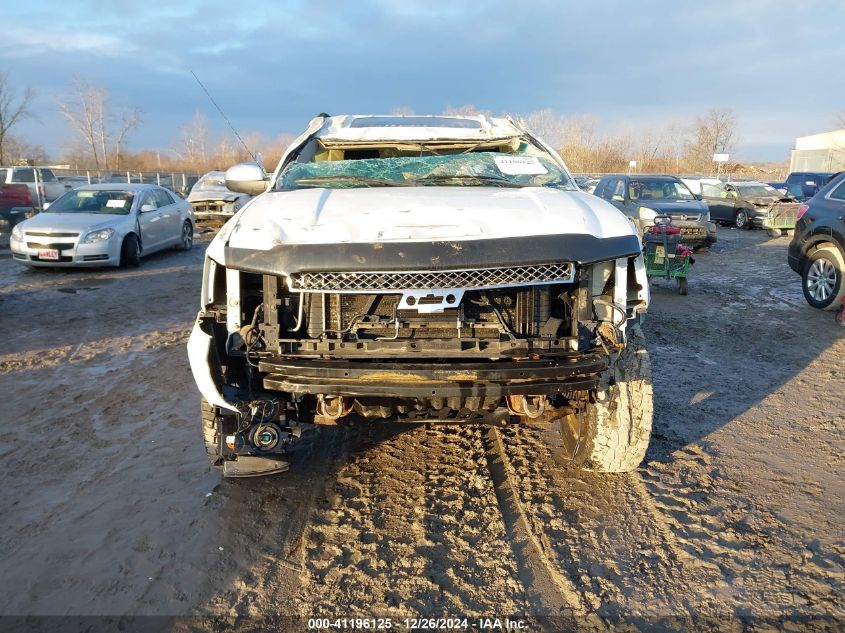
(111, 508)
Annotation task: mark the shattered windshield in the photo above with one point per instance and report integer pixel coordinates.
(215, 181)
(757, 190)
(477, 169)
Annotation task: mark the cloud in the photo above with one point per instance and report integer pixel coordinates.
(21, 41)
(272, 66)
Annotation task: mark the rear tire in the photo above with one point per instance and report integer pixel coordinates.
(683, 289)
(774, 232)
(613, 434)
(130, 251)
(822, 278)
(187, 240)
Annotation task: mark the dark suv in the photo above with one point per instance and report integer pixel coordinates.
(817, 250)
(803, 185)
(665, 195)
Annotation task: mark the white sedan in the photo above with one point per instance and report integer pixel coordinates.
(104, 225)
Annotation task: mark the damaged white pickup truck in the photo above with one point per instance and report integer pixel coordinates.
(421, 269)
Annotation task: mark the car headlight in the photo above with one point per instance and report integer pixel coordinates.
(98, 236)
(17, 232)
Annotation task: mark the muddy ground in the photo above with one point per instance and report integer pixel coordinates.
(735, 516)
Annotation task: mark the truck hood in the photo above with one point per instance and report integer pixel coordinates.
(417, 214)
(81, 222)
(203, 196)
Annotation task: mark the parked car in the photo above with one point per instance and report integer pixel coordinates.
(104, 225)
(803, 185)
(48, 186)
(744, 204)
(421, 268)
(15, 205)
(817, 250)
(664, 195)
(211, 199)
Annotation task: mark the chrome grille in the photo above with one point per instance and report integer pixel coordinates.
(433, 280)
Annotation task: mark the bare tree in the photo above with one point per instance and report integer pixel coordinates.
(464, 110)
(840, 120)
(128, 122)
(547, 125)
(194, 141)
(89, 113)
(713, 133)
(84, 110)
(12, 110)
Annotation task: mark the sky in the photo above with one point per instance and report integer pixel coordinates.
(273, 65)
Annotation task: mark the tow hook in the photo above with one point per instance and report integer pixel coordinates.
(531, 407)
(332, 408)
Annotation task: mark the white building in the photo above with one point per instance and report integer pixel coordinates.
(819, 152)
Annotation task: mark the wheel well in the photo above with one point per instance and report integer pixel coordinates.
(823, 243)
(137, 237)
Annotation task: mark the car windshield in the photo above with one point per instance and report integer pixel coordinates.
(477, 169)
(648, 189)
(106, 202)
(211, 182)
(756, 190)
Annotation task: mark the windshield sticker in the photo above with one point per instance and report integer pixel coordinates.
(85, 194)
(520, 165)
(116, 203)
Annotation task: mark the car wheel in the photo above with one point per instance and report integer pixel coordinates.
(822, 278)
(130, 251)
(187, 240)
(613, 434)
(774, 232)
(741, 219)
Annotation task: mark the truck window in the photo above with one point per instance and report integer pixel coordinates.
(4, 173)
(23, 175)
(47, 175)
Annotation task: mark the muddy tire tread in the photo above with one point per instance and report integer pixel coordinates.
(210, 432)
(616, 441)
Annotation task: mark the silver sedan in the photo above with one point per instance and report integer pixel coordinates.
(104, 225)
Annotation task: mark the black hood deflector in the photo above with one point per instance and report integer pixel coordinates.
(448, 255)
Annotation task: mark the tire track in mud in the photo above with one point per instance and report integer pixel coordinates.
(410, 529)
(553, 593)
(604, 536)
(270, 519)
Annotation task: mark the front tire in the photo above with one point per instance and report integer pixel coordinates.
(741, 219)
(211, 433)
(613, 434)
(822, 278)
(130, 251)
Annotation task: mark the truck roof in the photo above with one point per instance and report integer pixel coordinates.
(392, 127)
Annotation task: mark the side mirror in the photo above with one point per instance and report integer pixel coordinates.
(697, 196)
(247, 178)
(147, 207)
